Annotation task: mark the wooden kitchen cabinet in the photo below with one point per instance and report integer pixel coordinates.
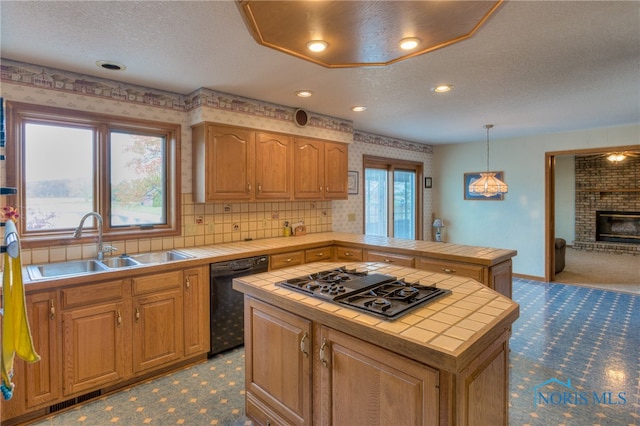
(157, 320)
(399, 391)
(278, 365)
(391, 258)
(321, 254)
(196, 311)
(284, 260)
(40, 383)
(239, 164)
(349, 254)
(320, 169)
(496, 277)
(95, 336)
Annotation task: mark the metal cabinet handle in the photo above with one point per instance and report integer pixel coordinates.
(303, 344)
(322, 348)
(137, 314)
(348, 253)
(449, 271)
(320, 188)
(389, 260)
(52, 310)
(259, 188)
(118, 318)
(320, 254)
(288, 260)
(188, 283)
(248, 187)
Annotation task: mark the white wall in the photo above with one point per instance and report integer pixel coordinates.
(518, 222)
(565, 200)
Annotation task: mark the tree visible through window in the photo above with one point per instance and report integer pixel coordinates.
(68, 163)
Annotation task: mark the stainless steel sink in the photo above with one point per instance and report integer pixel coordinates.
(119, 262)
(73, 267)
(160, 257)
(89, 266)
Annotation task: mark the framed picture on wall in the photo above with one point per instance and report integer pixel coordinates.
(352, 182)
(469, 178)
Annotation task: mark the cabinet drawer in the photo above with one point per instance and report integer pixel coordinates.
(318, 254)
(92, 293)
(395, 259)
(349, 253)
(452, 268)
(156, 282)
(284, 260)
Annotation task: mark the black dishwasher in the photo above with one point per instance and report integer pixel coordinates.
(227, 304)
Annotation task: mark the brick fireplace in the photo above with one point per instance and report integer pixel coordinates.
(611, 191)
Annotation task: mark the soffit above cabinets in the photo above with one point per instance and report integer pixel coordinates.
(362, 33)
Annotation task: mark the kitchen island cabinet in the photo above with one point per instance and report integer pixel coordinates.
(444, 363)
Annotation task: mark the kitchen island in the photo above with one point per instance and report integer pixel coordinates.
(311, 361)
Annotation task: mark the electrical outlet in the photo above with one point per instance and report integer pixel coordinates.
(190, 230)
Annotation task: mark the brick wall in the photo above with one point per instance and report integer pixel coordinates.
(602, 185)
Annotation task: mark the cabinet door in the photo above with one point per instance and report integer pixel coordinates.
(274, 166)
(196, 311)
(94, 343)
(335, 170)
(157, 329)
(229, 168)
(44, 378)
(278, 373)
(308, 169)
(363, 384)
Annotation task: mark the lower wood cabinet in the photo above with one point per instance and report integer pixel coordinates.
(349, 254)
(363, 384)
(354, 382)
(278, 365)
(391, 258)
(284, 260)
(321, 254)
(97, 335)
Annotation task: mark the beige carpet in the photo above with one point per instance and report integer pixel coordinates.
(619, 272)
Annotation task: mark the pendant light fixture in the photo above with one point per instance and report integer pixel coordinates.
(488, 185)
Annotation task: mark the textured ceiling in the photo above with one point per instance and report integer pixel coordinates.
(533, 67)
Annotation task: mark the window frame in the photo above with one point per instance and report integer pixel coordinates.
(391, 165)
(18, 114)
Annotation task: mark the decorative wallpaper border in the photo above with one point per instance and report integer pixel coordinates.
(370, 138)
(65, 81)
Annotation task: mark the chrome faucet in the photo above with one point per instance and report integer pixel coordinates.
(100, 248)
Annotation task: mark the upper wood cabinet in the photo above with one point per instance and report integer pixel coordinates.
(320, 169)
(233, 163)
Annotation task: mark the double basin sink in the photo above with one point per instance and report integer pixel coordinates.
(89, 266)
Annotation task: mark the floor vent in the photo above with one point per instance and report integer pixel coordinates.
(73, 401)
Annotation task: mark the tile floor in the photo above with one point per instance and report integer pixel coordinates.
(575, 361)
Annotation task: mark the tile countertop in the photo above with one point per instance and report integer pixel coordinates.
(480, 255)
(447, 333)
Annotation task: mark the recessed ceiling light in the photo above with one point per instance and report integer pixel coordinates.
(317, 45)
(442, 88)
(304, 93)
(409, 43)
(358, 108)
(111, 65)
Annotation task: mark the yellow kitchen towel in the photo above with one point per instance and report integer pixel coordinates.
(16, 334)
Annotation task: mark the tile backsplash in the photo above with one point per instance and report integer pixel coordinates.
(206, 224)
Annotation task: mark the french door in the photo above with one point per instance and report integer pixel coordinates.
(392, 203)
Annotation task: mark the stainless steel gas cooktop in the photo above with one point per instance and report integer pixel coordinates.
(377, 294)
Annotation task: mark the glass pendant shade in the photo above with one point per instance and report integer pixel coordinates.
(488, 185)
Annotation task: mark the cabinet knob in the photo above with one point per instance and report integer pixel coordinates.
(288, 260)
(322, 348)
(388, 260)
(449, 271)
(348, 253)
(303, 345)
